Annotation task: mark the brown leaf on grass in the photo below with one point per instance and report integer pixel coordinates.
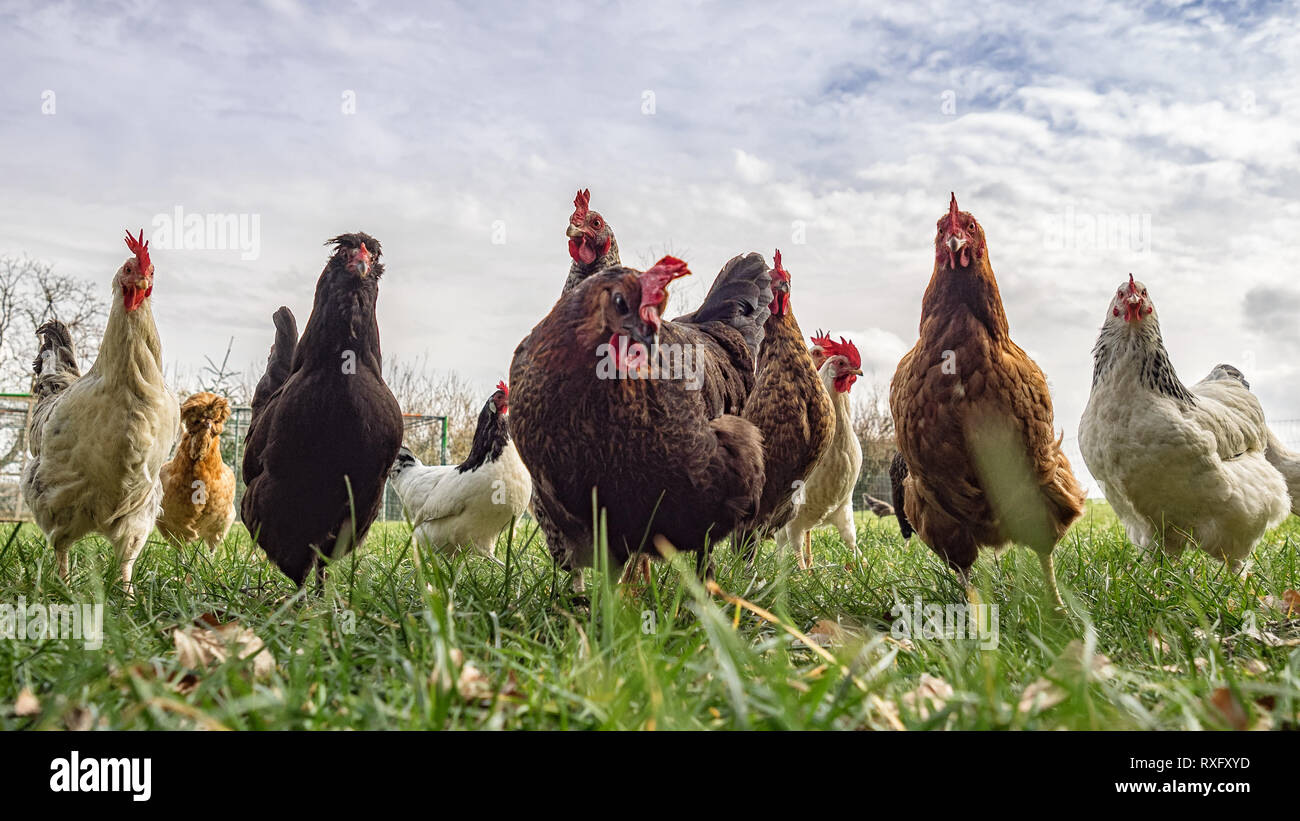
(474, 685)
(78, 719)
(1254, 666)
(1288, 604)
(1159, 646)
(1047, 692)
(209, 643)
(1230, 708)
(828, 633)
(931, 694)
(27, 704)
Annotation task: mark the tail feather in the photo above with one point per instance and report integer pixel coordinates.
(55, 365)
(897, 473)
(1288, 464)
(740, 297)
(279, 362)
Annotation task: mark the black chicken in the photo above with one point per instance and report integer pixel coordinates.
(325, 426)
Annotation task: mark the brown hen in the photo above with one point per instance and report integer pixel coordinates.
(790, 408)
(198, 487)
(973, 418)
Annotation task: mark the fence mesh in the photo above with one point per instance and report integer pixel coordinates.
(425, 434)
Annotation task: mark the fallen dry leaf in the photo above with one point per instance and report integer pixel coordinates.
(1047, 692)
(474, 685)
(209, 643)
(932, 693)
(828, 633)
(78, 719)
(1288, 604)
(1159, 646)
(1254, 666)
(1230, 708)
(27, 704)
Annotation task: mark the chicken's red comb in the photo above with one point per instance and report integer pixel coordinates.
(1132, 285)
(140, 248)
(777, 271)
(501, 386)
(657, 278)
(843, 348)
(952, 208)
(581, 202)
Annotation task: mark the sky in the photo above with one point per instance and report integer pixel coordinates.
(1090, 139)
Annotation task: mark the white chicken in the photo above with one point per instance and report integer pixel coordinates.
(827, 494)
(99, 441)
(1180, 465)
(467, 505)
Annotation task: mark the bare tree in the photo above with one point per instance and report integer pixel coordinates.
(31, 291)
(874, 426)
(420, 390)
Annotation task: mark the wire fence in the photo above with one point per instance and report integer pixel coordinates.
(424, 434)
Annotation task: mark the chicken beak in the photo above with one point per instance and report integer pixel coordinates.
(573, 231)
(955, 243)
(855, 371)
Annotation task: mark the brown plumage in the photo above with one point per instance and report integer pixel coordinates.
(879, 507)
(198, 487)
(321, 441)
(665, 457)
(790, 408)
(973, 418)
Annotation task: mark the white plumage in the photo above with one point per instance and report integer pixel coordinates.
(98, 441)
(452, 507)
(827, 495)
(1180, 465)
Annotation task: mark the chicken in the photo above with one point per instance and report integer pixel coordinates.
(467, 505)
(591, 242)
(612, 402)
(198, 487)
(326, 429)
(827, 495)
(98, 441)
(973, 419)
(790, 408)
(1180, 465)
(897, 473)
(878, 507)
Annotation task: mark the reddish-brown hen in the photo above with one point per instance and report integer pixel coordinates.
(611, 404)
(973, 418)
(791, 409)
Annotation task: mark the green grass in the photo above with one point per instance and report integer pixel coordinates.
(462, 643)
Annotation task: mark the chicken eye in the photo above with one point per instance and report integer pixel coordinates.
(620, 304)
(595, 222)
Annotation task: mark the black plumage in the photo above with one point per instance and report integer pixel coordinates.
(325, 430)
(897, 473)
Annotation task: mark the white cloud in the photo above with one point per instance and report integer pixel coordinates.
(1188, 116)
(751, 169)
